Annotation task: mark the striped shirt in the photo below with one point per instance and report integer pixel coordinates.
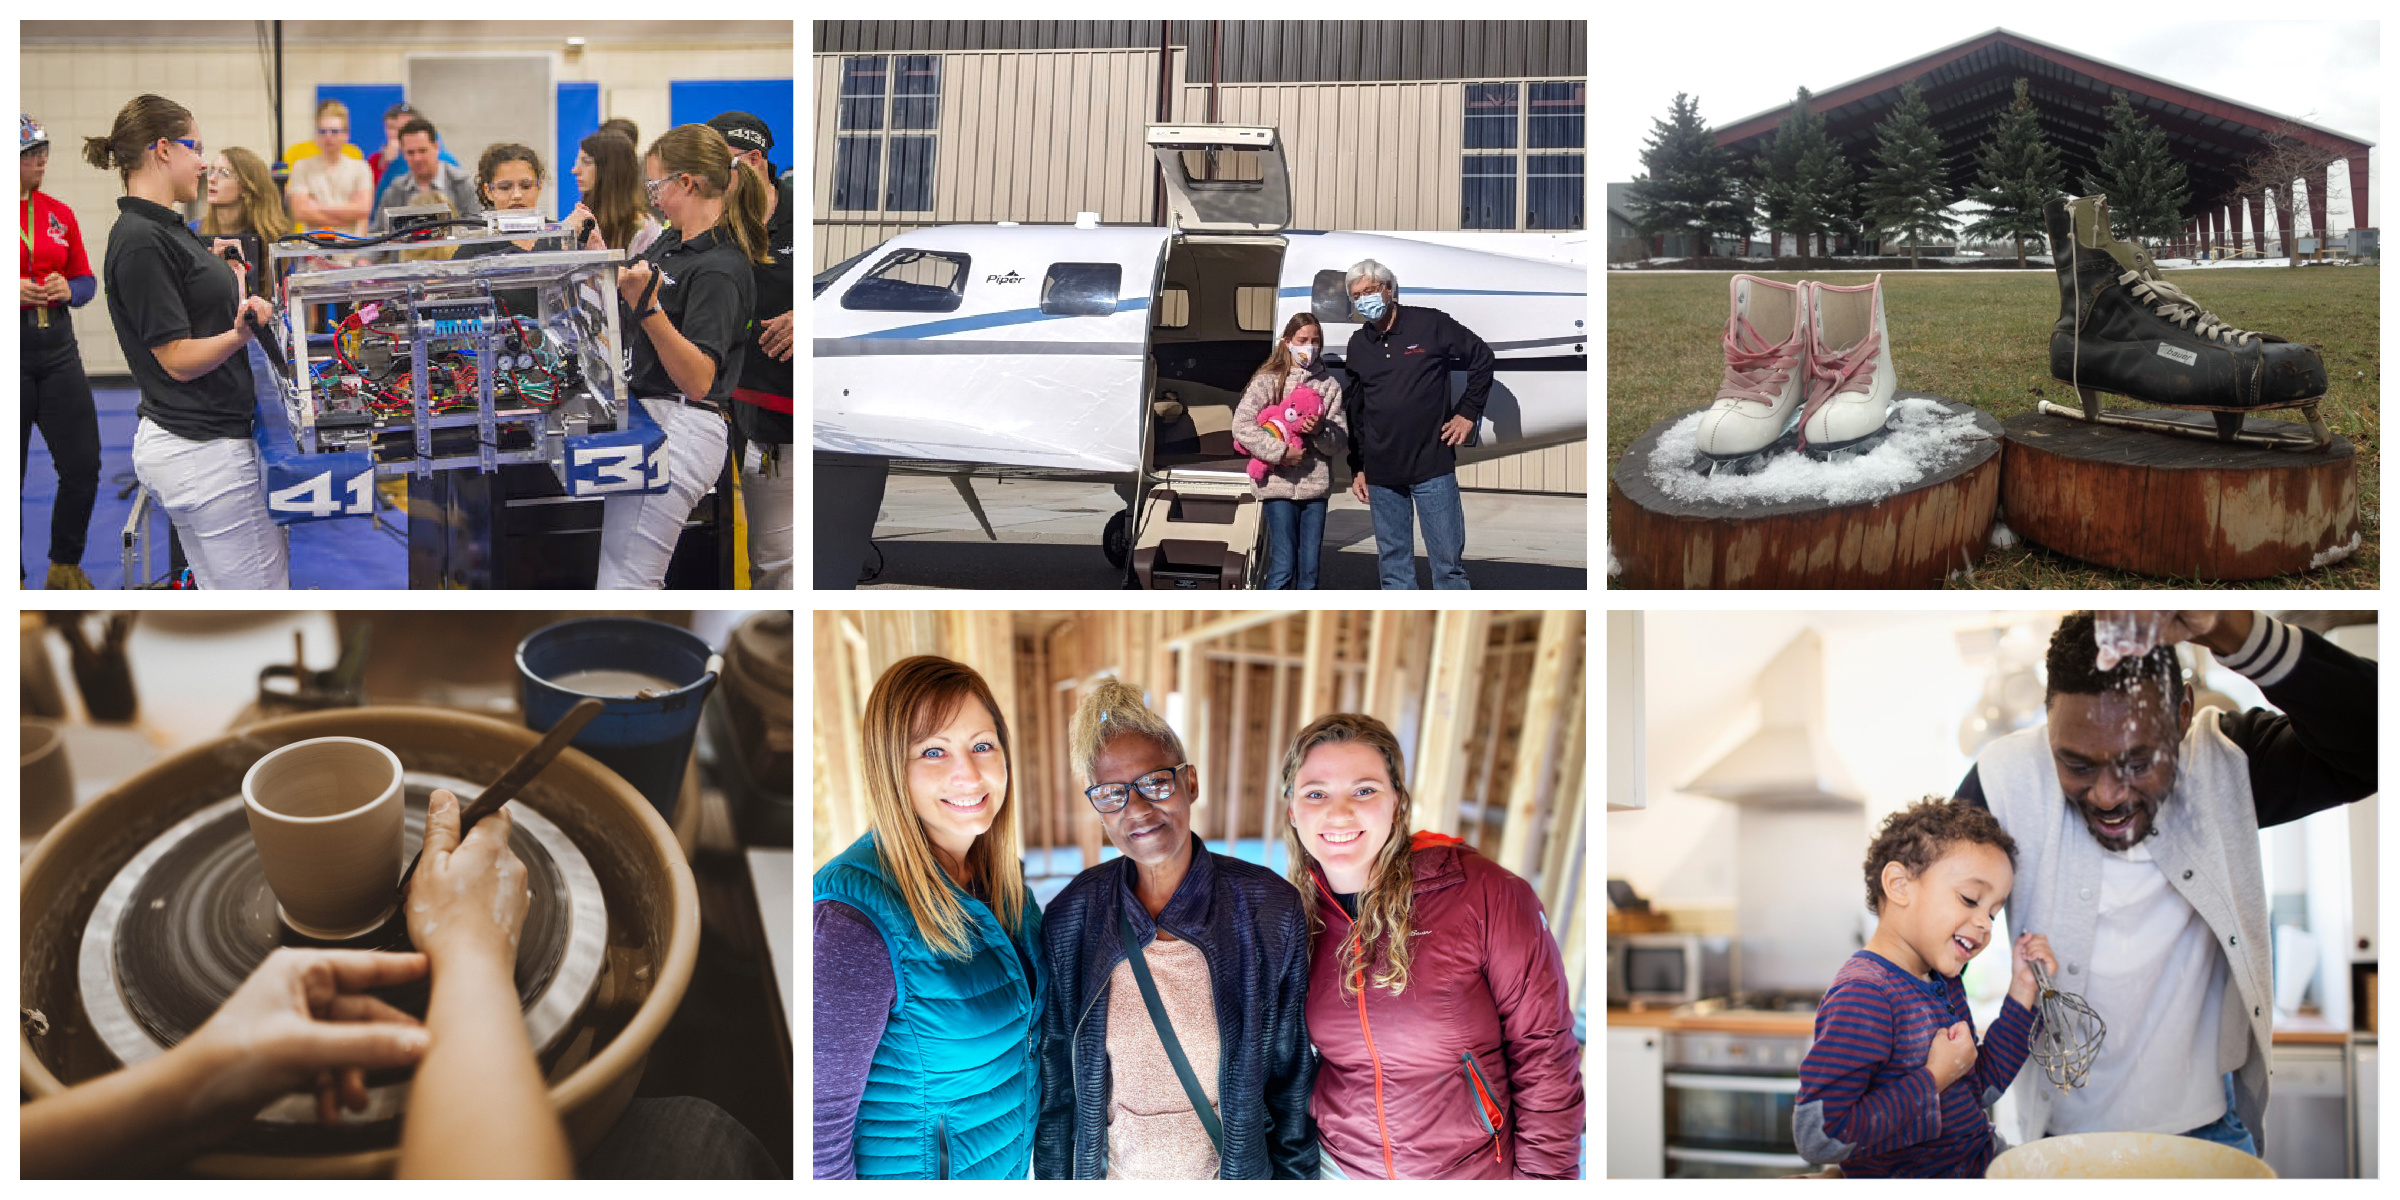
(1867, 1100)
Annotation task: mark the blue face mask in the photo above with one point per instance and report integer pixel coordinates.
(1371, 306)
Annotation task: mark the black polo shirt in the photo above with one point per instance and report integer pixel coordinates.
(163, 286)
(761, 371)
(1399, 394)
(704, 285)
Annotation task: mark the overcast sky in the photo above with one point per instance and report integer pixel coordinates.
(2321, 72)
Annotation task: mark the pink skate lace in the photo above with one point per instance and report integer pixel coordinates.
(1755, 374)
(1831, 374)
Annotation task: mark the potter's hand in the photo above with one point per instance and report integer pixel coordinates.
(469, 897)
(302, 1020)
(2031, 948)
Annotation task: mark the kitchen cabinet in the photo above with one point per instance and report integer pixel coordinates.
(1637, 1124)
(2308, 1135)
(2364, 1106)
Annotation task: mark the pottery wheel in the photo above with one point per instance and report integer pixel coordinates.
(191, 916)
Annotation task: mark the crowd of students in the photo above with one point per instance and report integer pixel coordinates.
(707, 291)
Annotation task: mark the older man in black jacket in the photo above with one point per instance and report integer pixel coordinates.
(1403, 432)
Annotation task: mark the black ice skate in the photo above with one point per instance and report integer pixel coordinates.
(2122, 328)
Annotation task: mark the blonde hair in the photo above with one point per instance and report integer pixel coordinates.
(1386, 906)
(912, 699)
(1115, 710)
(261, 204)
(335, 107)
(700, 150)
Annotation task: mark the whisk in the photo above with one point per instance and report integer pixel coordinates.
(2068, 1041)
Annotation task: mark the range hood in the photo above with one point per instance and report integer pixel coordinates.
(1788, 762)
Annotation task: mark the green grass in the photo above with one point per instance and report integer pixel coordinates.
(1984, 338)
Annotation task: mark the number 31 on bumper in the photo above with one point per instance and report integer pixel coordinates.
(601, 470)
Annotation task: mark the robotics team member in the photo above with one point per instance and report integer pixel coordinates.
(52, 275)
(762, 408)
(508, 177)
(178, 311)
(689, 297)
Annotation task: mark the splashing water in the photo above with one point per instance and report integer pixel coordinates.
(2124, 635)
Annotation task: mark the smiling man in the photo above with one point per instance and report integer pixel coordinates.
(2136, 821)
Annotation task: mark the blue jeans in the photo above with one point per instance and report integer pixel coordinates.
(1439, 513)
(1295, 532)
(2227, 1130)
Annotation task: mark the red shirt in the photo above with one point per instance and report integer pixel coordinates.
(49, 241)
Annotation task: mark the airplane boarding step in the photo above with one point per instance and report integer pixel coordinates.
(1199, 529)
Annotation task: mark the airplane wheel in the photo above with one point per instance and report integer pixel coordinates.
(1117, 540)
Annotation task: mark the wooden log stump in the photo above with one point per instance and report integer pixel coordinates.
(1912, 539)
(2177, 507)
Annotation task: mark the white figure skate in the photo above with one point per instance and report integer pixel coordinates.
(1765, 341)
(1850, 382)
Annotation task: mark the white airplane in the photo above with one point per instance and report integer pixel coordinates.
(1117, 354)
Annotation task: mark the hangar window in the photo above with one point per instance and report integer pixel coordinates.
(1329, 297)
(1174, 308)
(912, 281)
(1503, 184)
(1254, 308)
(1488, 192)
(895, 99)
(1081, 289)
(1554, 191)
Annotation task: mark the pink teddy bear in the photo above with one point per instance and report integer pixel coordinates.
(1283, 421)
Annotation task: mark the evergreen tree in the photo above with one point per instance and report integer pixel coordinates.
(1908, 191)
(1802, 181)
(1688, 185)
(2143, 180)
(2018, 173)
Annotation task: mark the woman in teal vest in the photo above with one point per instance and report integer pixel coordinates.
(928, 977)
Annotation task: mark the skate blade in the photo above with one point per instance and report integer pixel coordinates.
(2315, 436)
(1854, 448)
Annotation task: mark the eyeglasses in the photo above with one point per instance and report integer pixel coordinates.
(220, 172)
(512, 187)
(651, 187)
(333, 131)
(1158, 785)
(191, 144)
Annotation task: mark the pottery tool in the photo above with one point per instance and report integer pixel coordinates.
(2068, 1041)
(514, 779)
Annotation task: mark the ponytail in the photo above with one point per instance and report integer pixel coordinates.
(141, 124)
(746, 210)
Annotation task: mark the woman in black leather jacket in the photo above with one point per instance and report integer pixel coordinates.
(1226, 948)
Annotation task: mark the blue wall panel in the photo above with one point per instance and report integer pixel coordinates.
(691, 101)
(578, 118)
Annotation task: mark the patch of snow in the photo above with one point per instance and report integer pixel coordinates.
(1925, 437)
(2333, 554)
(2002, 536)
(1615, 568)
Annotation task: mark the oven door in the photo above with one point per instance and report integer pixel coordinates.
(1731, 1126)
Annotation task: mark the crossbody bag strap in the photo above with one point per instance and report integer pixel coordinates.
(1166, 1037)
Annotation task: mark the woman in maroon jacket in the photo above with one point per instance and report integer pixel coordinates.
(1436, 997)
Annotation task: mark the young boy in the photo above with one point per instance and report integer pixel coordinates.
(1894, 1084)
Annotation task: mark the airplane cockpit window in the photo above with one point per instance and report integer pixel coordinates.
(1081, 289)
(912, 281)
(1329, 298)
(1174, 308)
(826, 277)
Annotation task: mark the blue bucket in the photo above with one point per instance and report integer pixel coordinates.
(646, 741)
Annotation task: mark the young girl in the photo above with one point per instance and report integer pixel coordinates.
(1292, 496)
(608, 171)
(244, 206)
(509, 176)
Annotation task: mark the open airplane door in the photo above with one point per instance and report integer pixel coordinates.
(1223, 178)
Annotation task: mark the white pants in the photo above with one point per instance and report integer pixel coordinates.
(767, 502)
(638, 532)
(215, 493)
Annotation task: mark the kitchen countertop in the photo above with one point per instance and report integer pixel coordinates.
(2306, 1029)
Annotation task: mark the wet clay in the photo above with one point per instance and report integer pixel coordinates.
(605, 682)
(327, 815)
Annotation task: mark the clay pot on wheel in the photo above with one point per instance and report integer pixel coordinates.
(653, 913)
(326, 815)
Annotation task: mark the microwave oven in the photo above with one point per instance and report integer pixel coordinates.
(1668, 968)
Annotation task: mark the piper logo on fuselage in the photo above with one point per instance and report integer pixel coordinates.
(1011, 277)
